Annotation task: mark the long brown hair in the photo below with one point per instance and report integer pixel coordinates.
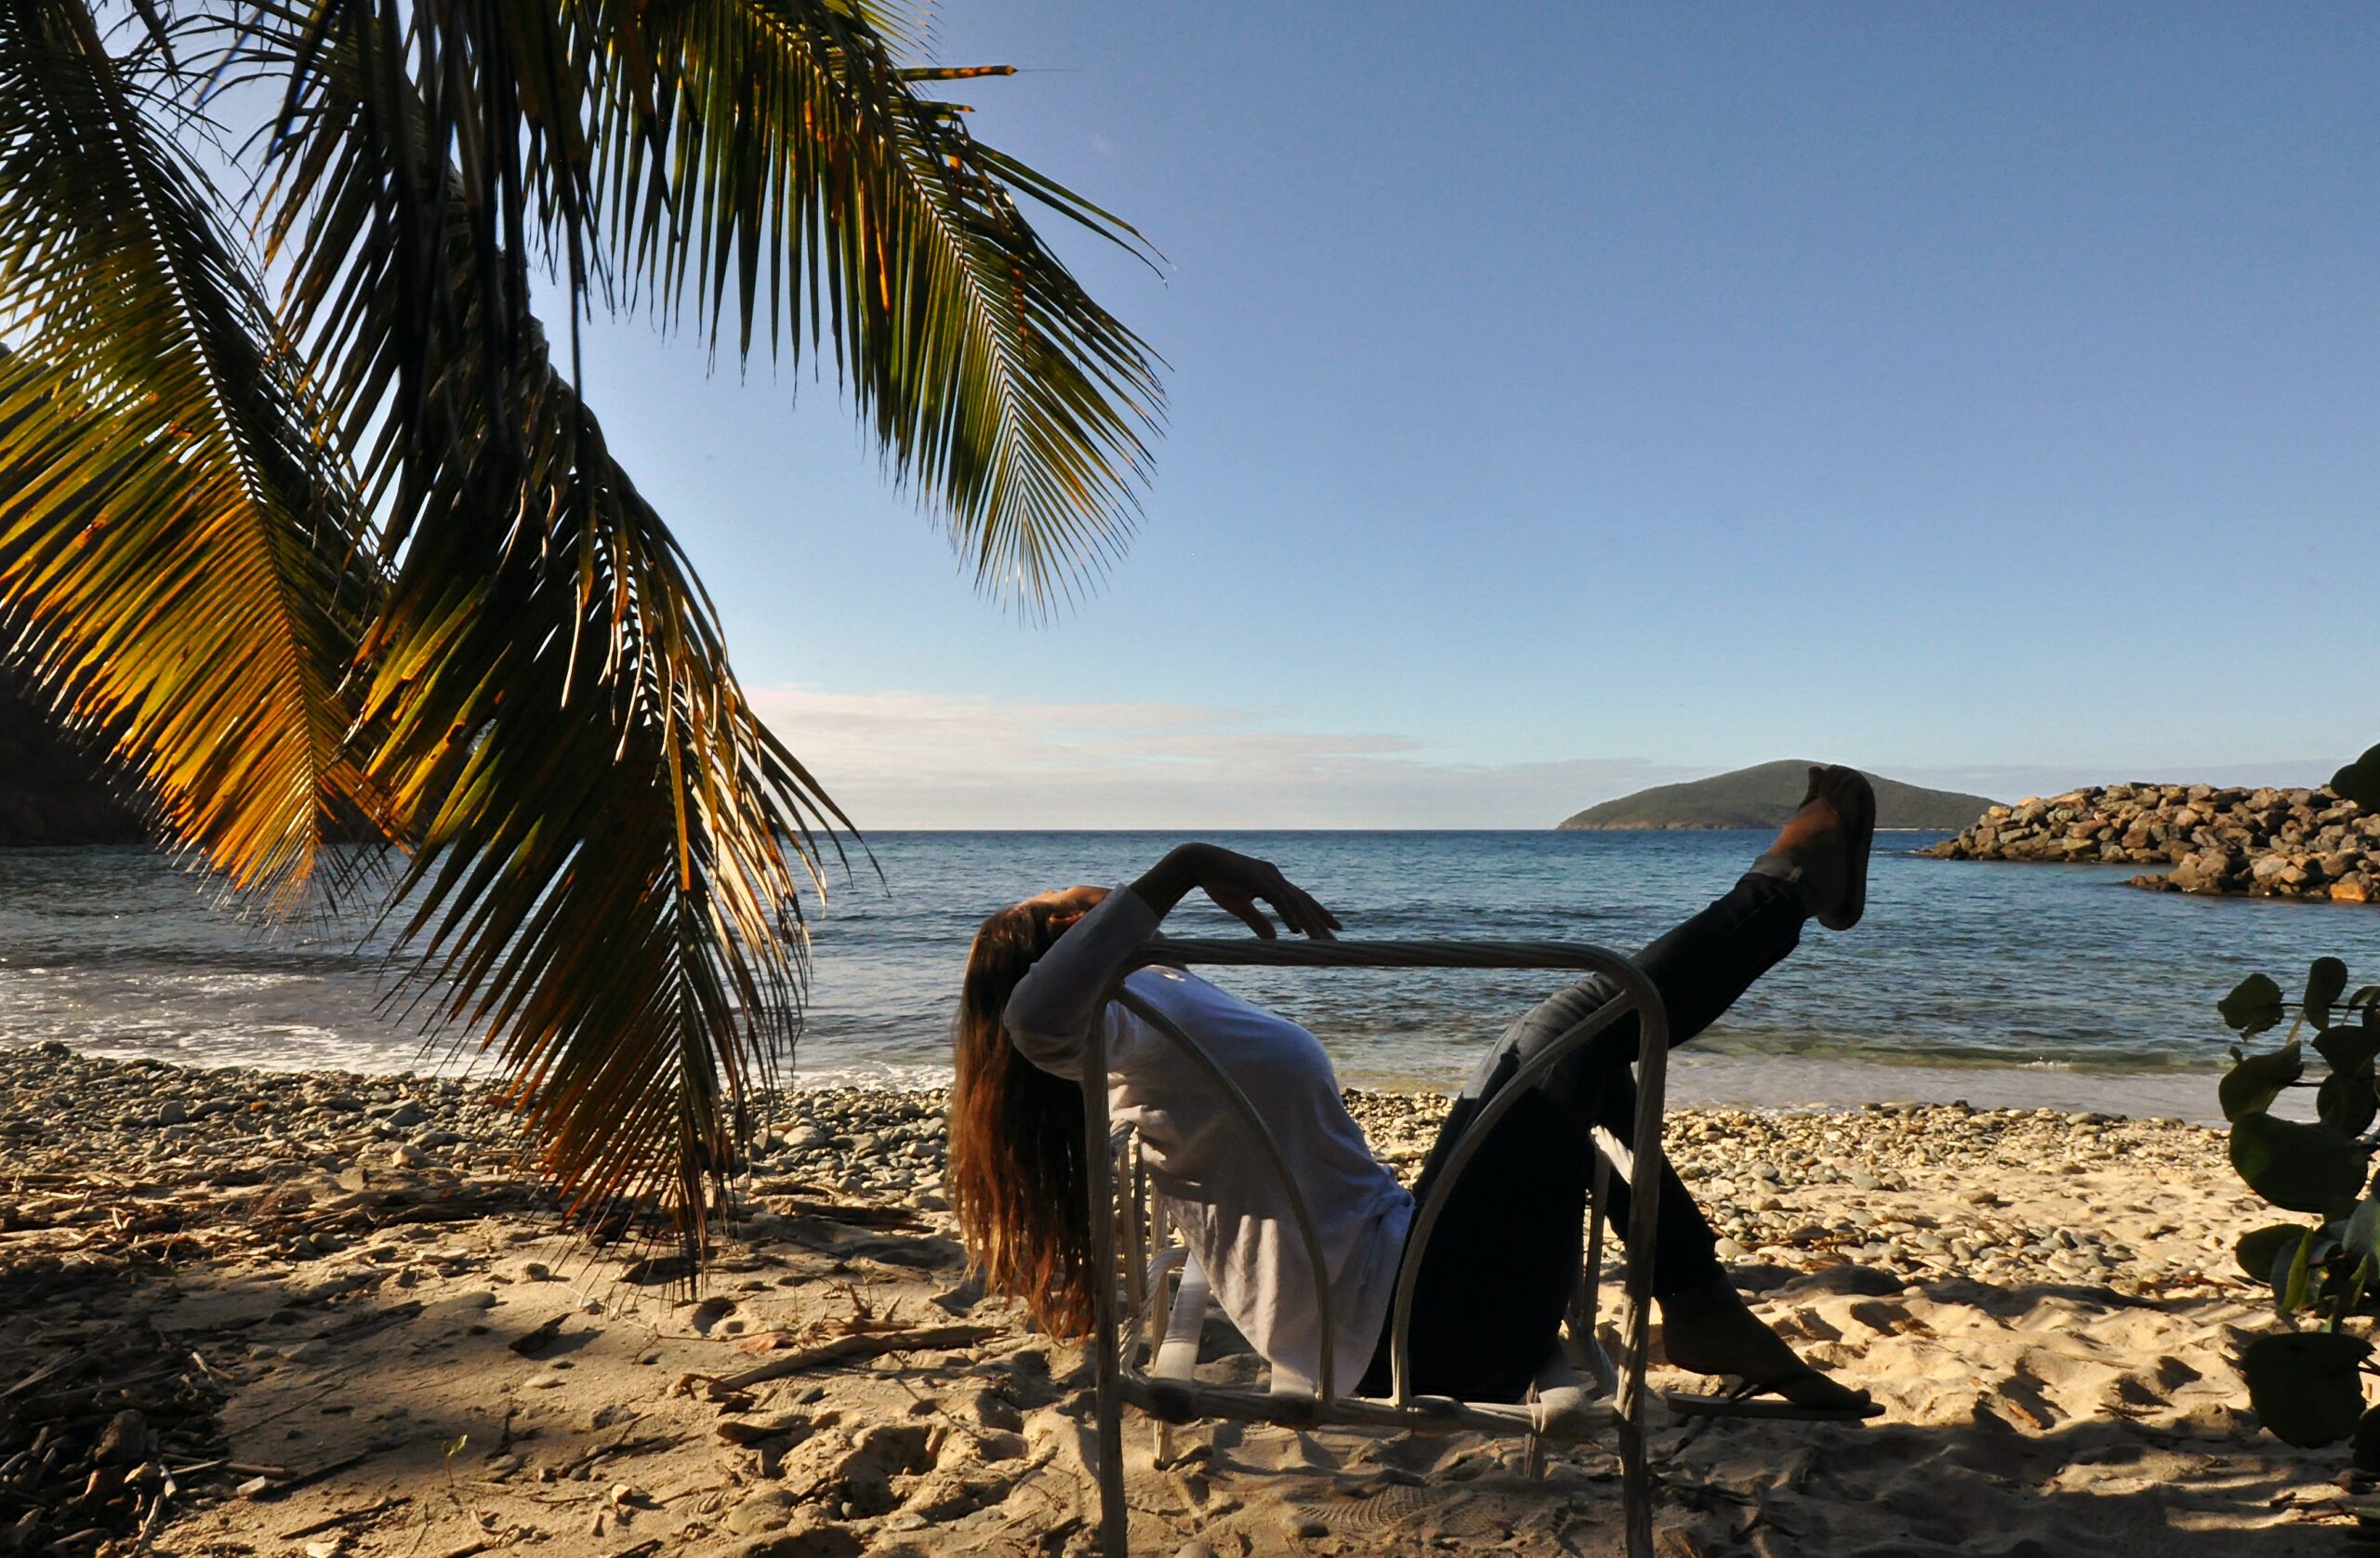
(1016, 1176)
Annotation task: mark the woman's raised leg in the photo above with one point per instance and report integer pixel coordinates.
(1492, 1289)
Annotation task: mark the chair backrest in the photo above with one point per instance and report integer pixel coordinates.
(1633, 994)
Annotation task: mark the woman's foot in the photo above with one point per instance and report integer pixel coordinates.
(1829, 838)
(1709, 1330)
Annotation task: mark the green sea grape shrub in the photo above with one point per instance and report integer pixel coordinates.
(2306, 1383)
(2359, 780)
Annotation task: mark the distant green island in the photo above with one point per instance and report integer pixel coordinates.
(1763, 796)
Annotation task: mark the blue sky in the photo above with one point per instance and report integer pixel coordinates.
(1565, 399)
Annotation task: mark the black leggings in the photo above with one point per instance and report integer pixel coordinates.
(1496, 1279)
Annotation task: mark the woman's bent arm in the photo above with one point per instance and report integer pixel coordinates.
(1056, 1003)
(1170, 879)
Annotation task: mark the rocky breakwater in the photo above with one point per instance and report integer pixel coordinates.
(2270, 842)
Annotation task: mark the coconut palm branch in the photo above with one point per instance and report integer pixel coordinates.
(604, 881)
(181, 563)
(365, 558)
(609, 839)
(766, 166)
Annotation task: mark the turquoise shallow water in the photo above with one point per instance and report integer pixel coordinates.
(1960, 968)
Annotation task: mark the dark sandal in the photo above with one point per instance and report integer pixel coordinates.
(1855, 800)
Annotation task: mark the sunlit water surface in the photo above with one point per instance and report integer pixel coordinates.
(2041, 983)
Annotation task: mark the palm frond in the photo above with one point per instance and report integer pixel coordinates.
(769, 164)
(181, 563)
(606, 883)
(608, 844)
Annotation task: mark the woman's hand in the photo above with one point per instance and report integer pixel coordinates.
(1238, 883)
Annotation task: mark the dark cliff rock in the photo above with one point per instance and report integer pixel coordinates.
(2267, 842)
(51, 792)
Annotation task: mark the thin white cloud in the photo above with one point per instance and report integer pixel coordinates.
(903, 759)
(909, 760)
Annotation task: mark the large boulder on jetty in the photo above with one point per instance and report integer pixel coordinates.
(2293, 843)
(1765, 796)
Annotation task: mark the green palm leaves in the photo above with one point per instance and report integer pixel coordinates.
(362, 563)
(788, 161)
(179, 552)
(765, 165)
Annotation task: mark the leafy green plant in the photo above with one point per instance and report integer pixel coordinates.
(2306, 1384)
(2359, 780)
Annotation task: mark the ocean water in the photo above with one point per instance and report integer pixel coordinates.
(2036, 983)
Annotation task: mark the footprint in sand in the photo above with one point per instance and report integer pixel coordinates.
(1881, 1315)
(1805, 1325)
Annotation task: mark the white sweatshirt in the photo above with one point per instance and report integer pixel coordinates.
(1219, 1187)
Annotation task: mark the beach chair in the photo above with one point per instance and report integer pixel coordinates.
(1150, 1361)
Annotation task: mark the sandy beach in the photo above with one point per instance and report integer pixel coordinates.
(250, 1313)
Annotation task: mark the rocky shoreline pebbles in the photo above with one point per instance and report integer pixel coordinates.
(2267, 842)
(254, 1312)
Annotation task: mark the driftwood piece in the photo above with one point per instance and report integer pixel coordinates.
(627, 1444)
(56, 1365)
(308, 1479)
(747, 1431)
(346, 1517)
(846, 1348)
(852, 1214)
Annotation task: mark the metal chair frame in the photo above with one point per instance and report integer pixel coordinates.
(1564, 1409)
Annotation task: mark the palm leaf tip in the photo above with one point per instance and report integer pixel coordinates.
(790, 182)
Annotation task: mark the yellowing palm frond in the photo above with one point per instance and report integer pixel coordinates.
(180, 560)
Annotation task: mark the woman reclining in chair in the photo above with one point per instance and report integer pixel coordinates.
(1490, 1295)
